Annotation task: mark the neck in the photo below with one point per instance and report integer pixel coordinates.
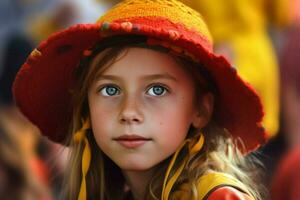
(138, 182)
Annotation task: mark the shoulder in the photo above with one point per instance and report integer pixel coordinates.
(221, 186)
(216, 186)
(228, 193)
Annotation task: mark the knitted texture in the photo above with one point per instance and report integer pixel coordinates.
(172, 10)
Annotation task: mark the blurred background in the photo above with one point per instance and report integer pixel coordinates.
(260, 37)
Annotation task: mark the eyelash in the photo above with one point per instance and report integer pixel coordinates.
(165, 88)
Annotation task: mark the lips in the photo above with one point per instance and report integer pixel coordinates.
(132, 141)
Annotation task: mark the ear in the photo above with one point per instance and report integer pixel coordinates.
(204, 111)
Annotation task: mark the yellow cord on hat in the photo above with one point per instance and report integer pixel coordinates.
(80, 136)
(193, 149)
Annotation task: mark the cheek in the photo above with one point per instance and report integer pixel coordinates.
(177, 116)
(178, 111)
(173, 120)
(98, 123)
(173, 123)
(101, 120)
(172, 132)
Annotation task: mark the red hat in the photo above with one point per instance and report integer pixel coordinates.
(42, 86)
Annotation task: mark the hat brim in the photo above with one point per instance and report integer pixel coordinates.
(42, 88)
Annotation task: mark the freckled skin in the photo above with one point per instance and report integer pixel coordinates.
(164, 119)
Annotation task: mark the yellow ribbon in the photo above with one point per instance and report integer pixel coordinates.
(193, 149)
(80, 136)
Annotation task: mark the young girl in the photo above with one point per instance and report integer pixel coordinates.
(148, 110)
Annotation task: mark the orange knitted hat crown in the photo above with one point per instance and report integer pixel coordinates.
(42, 86)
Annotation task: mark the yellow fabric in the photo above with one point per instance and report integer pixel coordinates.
(240, 28)
(193, 149)
(171, 9)
(209, 182)
(257, 64)
(86, 157)
(227, 18)
(212, 180)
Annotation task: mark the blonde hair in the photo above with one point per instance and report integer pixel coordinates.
(219, 153)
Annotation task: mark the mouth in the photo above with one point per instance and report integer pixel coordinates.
(132, 141)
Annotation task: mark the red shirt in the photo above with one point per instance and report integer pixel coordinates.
(228, 193)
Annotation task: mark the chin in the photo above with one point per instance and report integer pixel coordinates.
(135, 166)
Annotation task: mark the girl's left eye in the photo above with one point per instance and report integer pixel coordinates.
(157, 90)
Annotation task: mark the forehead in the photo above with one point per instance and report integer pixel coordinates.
(135, 61)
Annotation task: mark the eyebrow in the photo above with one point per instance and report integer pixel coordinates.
(108, 77)
(146, 77)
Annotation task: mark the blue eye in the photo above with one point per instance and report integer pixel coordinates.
(109, 91)
(157, 90)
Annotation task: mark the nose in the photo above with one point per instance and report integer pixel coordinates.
(130, 112)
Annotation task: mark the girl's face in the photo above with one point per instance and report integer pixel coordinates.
(141, 108)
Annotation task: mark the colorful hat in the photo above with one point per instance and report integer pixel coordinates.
(42, 86)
